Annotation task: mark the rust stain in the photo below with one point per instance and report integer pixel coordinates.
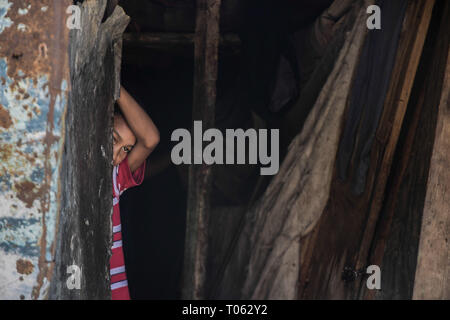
(24, 266)
(40, 51)
(56, 49)
(30, 158)
(22, 50)
(26, 192)
(5, 118)
(50, 139)
(6, 153)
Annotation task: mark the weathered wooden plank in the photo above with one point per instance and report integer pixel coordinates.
(396, 243)
(118, 42)
(432, 279)
(200, 175)
(139, 48)
(409, 57)
(85, 229)
(179, 15)
(345, 232)
(170, 39)
(367, 101)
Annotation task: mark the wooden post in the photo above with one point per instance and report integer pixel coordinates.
(397, 233)
(198, 206)
(85, 229)
(408, 58)
(432, 280)
(344, 235)
(157, 40)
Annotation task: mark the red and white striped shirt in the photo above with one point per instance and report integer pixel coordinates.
(123, 179)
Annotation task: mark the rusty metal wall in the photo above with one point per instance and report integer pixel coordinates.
(34, 85)
(57, 87)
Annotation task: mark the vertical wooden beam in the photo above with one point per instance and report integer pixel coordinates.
(345, 232)
(396, 242)
(198, 206)
(398, 96)
(401, 85)
(85, 228)
(432, 279)
(111, 6)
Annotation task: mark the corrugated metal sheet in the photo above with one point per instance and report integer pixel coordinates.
(34, 85)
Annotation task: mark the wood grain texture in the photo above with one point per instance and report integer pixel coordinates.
(85, 227)
(200, 176)
(402, 82)
(432, 279)
(396, 242)
(344, 234)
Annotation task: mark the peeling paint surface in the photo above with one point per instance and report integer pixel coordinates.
(34, 84)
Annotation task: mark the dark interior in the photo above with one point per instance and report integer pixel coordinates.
(160, 77)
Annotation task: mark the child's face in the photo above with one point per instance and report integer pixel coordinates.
(124, 139)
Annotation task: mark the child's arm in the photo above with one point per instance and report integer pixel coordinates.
(147, 135)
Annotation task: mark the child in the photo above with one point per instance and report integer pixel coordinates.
(135, 137)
